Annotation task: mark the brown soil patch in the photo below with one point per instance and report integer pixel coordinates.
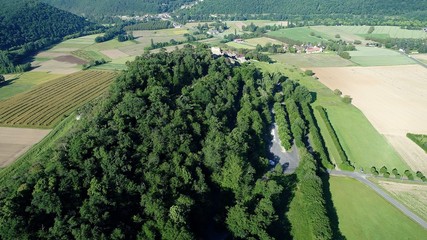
(53, 66)
(414, 196)
(51, 54)
(16, 141)
(393, 98)
(70, 59)
(114, 53)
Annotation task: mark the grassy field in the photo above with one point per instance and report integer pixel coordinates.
(312, 60)
(302, 34)
(19, 83)
(356, 32)
(371, 56)
(240, 45)
(365, 215)
(47, 104)
(412, 195)
(363, 144)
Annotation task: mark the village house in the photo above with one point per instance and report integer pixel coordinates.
(212, 32)
(239, 40)
(314, 49)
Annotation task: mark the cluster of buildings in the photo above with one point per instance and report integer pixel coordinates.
(305, 48)
(232, 56)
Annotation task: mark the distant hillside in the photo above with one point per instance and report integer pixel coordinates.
(24, 22)
(308, 7)
(27, 26)
(96, 8)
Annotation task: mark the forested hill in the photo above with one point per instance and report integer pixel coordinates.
(177, 150)
(23, 22)
(309, 7)
(97, 8)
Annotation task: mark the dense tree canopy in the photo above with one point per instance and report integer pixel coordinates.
(23, 22)
(29, 26)
(308, 7)
(96, 8)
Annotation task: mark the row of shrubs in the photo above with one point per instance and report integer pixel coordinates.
(282, 122)
(385, 173)
(315, 136)
(344, 164)
(297, 123)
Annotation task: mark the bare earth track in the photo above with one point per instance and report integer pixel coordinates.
(393, 98)
(16, 141)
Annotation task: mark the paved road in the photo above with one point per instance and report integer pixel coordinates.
(362, 178)
(288, 159)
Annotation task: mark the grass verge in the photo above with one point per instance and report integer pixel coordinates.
(363, 214)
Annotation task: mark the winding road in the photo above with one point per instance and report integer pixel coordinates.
(363, 178)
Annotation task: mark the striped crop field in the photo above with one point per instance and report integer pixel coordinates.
(47, 104)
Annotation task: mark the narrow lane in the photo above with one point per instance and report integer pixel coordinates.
(362, 178)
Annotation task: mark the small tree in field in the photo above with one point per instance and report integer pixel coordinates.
(309, 72)
(337, 36)
(347, 99)
(337, 92)
(2, 79)
(374, 171)
(383, 170)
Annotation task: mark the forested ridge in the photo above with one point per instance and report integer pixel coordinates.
(310, 7)
(98, 8)
(24, 22)
(177, 150)
(29, 26)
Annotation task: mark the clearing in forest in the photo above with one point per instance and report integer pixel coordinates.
(15, 141)
(48, 103)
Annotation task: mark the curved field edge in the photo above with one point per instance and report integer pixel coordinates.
(31, 157)
(363, 144)
(363, 214)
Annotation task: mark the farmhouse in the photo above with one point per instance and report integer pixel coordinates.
(315, 49)
(239, 40)
(213, 32)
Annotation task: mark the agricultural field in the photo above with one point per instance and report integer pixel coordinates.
(363, 214)
(363, 144)
(420, 57)
(16, 141)
(302, 34)
(412, 195)
(360, 32)
(372, 56)
(47, 104)
(392, 98)
(312, 60)
(22, 82)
